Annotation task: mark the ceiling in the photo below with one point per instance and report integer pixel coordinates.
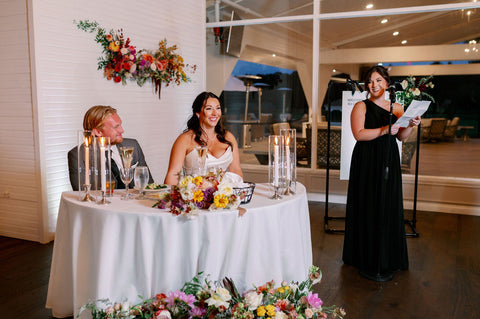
(427, 28)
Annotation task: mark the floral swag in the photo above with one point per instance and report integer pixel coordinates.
(201, 299)
(121, 61)
(415, 88)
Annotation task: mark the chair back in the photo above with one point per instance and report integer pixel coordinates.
(437, 128)
(278, 126)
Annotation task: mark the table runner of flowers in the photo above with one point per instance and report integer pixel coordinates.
(121, 61)
(199, 298)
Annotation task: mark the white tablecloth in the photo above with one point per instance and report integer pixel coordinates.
(126, 249)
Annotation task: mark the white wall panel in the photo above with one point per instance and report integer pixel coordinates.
(68, 83)
(19, 190)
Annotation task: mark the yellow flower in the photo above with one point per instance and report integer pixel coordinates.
(221, 201)
(198, 196)
(197, 180)
(281, 290)
(114, 46)
(270, 310)
(261, 311)
(185, 181)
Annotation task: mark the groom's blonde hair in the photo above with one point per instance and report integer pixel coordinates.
(96, 115)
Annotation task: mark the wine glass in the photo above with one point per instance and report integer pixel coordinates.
(141, 180)
(126, 175)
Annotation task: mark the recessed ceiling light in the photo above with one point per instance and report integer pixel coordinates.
(384, 21)
(274, 55)
(467, 50)
(369, 6)
(395, 33)
(334, 70)
(469, 12)
(404, 41)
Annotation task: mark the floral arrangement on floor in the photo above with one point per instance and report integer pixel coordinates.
(415, 89)
(121, 61)
(199, 299)
(193, 193)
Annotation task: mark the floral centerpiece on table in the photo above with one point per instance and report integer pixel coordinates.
(121, 61)
(193, 193)
(200, 298)
(415, 88)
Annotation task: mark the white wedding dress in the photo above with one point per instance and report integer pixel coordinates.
(192, 160)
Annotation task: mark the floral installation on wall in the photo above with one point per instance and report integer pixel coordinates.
(120, 60)
(415, 88)
(200, 298)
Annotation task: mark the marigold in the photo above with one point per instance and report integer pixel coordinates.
(198, 196)
(221, 201)
(261, 311)
(270, 310)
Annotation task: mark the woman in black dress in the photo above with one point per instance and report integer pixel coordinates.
(375, 240)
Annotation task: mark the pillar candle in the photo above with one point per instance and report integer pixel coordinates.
(87, 162)
(276, 161)
(102, 164)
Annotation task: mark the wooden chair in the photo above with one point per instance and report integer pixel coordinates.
(451, 129)
(436, 129)
(409, 146)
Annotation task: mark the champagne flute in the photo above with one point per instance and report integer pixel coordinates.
(126, 175)
(202, 156)
(126, 153)
(141, 180)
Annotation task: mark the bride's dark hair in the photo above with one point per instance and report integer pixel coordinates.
(194, 122)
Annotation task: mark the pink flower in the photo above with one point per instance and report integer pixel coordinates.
(197, 312)
(314, 301)
(180, 296)
(308, 313)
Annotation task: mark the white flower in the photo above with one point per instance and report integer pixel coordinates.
(226, 188)
(221, 297)
(280, 315)
(133, 68)
(131, 57)
(124, 51)
(128, 75)
(163, 314)
(153, 66)
(125, 307)
(253, 300)
(186, 193)
(185, 181)
(404, 84)
(416, 92)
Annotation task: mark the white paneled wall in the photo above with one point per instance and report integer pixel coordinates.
(19, 188)
(66, 83)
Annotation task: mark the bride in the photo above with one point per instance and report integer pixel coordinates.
(204, 128)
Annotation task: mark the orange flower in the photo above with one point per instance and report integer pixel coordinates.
(148, 57)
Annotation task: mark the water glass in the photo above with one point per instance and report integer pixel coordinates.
(141, 180)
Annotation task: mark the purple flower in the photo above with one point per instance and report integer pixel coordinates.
(143, 62)
(314, 301)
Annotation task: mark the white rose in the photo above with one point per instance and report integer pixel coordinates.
(253, 300)
(280, 315)
(404, 84)
(416, 92)
(163, 314)
(225, 188)
(186, 193)
(185, 181)
(124, 51)
(153, 66)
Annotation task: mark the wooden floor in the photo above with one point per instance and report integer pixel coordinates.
(443, 280)
(457, 158)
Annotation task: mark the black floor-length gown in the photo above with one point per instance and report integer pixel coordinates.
(375, 240)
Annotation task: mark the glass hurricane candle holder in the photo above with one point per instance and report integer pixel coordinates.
(85, 164)
(276, 165)
(103, 164)
(290, 149)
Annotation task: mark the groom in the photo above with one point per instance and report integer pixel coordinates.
(104, 121)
